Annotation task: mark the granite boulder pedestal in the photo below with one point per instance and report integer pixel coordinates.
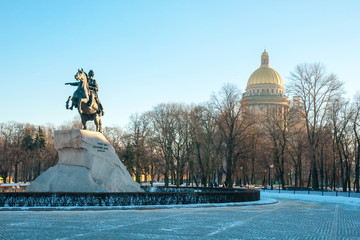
(87, 163)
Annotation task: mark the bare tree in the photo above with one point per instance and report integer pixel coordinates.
(205, 143)
(138, 134)
(232, 126)
(276, 126)
(164, 124)
(356, 129)
(316, 89)
(182, 142)
(341, 115)
(114, 135)
(296, 148)
(17, 154)
(7, 132)
(74, 124)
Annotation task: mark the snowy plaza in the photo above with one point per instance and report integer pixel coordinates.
(279, 216)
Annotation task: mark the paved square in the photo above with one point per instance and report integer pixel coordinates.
(289, 219)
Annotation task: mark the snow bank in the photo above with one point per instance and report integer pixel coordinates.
(312, 198)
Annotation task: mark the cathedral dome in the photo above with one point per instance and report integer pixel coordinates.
(265, 90)
(265, 74)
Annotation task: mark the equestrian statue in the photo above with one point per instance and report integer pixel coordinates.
(85, 99)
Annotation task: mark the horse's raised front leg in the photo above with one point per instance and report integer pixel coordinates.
(79, 107)
(67, 103)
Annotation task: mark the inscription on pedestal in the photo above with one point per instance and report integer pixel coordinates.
(101, 147)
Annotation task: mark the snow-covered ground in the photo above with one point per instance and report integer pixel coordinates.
(303, 196)
(307, 217)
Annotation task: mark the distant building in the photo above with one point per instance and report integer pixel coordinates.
(265, 90)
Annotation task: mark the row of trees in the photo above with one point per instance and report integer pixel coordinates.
(331, 127)
(25, 151)
(177, 142)
(316, 143)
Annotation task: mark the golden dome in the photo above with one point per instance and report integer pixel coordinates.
(265, 74)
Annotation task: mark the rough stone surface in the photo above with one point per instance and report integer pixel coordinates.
(87, 163)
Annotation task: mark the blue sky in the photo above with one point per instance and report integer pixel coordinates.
(148, 52)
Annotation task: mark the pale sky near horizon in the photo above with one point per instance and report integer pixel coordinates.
(145, 53)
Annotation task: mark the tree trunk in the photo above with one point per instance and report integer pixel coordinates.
(229, 162)
(252, 168)
(300, 173)
(166, 172)
(322, 167)
(357, 159)
(201, 165)
(357, 166)
(315, 180)
(309, 179)
(334, 168)
(16, 172)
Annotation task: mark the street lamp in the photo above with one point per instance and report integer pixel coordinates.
(265, 176)
(271, 170)
(242, 173)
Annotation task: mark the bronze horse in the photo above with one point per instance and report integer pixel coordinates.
(83, 100)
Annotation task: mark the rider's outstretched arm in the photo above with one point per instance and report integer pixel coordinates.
(72, 84)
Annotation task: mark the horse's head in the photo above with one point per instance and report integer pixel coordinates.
(81, 76)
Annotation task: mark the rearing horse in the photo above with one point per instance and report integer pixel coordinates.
(83, 100)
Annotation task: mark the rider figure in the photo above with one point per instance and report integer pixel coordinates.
(94, 89)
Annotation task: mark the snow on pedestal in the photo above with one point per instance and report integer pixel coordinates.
(87, 163)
